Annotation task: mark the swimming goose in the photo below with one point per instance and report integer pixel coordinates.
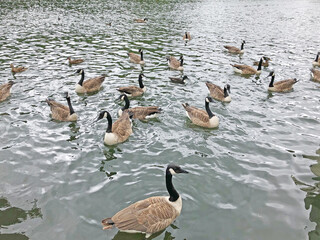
(150, 215)
(174, 63)
(135, 58)
(232, 49)
(17, 69)
(264, 64)
(316, 62)
(247, 70)
(120, 130)
(134, 91)
(179, 79)
(74, 61)
(186, 37)
(140, 113)
(61, 112)
(90, 85)
(140, 20)
(218, 93)
(5, 90)
(281, 86)
(315, 74)
(203, 118)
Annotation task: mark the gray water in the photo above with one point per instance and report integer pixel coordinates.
(254, 177)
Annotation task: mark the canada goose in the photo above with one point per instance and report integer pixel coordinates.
(140, 20)
(17, 69)
(247, 70)
(90, 85)
(232, 49)
(150, 215)
(281, 86)
(61, 112)
(174, 63)
(74, 61)
(186, 37)
(5, 90)
(134, 91)
(264, 64)
(179, 79)
(315, 74)
(140, 113)
(120, 130)
(316, 62)
(135, 58)
(218, 93)
(203, 118)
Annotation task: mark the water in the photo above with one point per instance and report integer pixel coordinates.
(58, 180)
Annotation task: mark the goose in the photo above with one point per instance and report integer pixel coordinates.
(218, 93)
(232, 49)
(74, 61)
(134, 91)
(247, 70)
(281, 86)
(315, 74)
(264, 64)
(186, 37)
(5, 90)
(316, 62)
(120, 130)
(203, 118)
(140, 113)
(150, 215)
(90, 85)
(135, 58)
(61, 112)
(174, 63)
(140, 20)
(179, 79)
(17, 69)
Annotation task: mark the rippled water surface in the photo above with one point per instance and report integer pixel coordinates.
(254, 177)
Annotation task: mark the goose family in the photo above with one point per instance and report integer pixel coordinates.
(232, 49)
(181, 80)
(120, 130)
(150, 215)
(5, 90)
(186, 37)
(90, 85)
(174, 63)
(247, 70)
(61, 112)
(135, 58)
(134, 91)
(140, 113)
(218, 93)
(315, 75)
(200, 117)
(281, 86)
(17, 69)
(75, 61)
(265, 63)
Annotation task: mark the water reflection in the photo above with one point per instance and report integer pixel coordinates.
(140, 236)
(312, 199)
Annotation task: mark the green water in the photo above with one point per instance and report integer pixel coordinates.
(254, 177)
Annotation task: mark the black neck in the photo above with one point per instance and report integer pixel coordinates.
(225, 91)
(174, 195)
(127, 105)
(186, 35)
(317, 58)
(181, 62)
(271, 82)
(140, 82)
(82, 78)
(109, 129)
(242, 46)
(70, 106)
(141, 54)
(208, 110)
(260, 65)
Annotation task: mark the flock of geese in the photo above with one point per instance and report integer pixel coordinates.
(154, 214)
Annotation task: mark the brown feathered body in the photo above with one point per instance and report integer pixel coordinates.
(200, 117)
(281, 86)
(315, 74)
(143, 113)
(245, 69)
(264, 63)
(136, 58)
(61, 112)
(132, 91)
(173, 63)
(140, 20)
(232, 49)
(89, 85)
(187, 37)
(75, 61)
(17, 69)
(5, 90)
(218, 93)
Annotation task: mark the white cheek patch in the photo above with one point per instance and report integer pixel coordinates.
(105, 115)
(172, 171)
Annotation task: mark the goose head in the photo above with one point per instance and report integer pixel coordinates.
(209, 99)
(175, 169)
(103, 114)
(79, 71)
(271, 74)
(227, 86)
